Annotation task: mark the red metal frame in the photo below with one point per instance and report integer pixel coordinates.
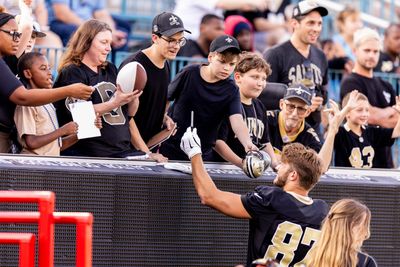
(26, 242)
(45, 200)
(82, 220)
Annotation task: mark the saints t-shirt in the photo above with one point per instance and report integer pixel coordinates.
(306, 136)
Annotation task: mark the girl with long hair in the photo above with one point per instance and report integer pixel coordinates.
(343, 232)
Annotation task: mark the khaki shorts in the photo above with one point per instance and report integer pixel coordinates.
(5, 142)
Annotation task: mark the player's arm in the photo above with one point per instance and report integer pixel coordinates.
(242, 133)
(37, 97)
(225, 202)
(65, 14)
(274, 159)
(227, 153)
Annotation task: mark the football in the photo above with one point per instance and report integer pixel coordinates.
(131, 77)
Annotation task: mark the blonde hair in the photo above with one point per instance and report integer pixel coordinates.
(81, 41)
(339, 244)
(365, 34)
(360, 96)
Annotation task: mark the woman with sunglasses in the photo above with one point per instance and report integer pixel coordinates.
(12, 91)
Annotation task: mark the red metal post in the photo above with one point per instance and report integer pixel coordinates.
(45, 200)
(26, 243)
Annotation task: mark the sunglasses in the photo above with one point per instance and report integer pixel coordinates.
(15, 35)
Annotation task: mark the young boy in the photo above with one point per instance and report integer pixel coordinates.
(356, 142)
(37, 127)
(208, 92)
(251, 77)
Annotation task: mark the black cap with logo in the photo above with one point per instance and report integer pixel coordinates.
(167, 24)
(223, 43)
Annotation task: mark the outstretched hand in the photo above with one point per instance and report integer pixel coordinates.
(190, 142)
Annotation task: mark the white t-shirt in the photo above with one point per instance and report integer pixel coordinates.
(191, 12)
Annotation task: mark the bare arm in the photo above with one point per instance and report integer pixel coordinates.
(270, 150)
(66, 15)
(42, 15)
(240, 129)
(37, 141)
(227, 153)
(37, 97)
(118, 99)
(384, 117)
(225, 202)
(396, 130)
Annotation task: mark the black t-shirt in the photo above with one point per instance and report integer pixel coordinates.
(150, 115)
(308, 137)
(9, 83)
(380, 94)
(256, 120)
(288, 67)
(115, 139)
(356, 151)
(12, 62)
(211, 103)
(365, 260)
(282, 221)
(192, 49)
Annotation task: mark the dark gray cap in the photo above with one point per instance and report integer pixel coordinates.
(299, 91)
(167, 24)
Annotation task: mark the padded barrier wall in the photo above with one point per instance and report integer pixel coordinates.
(145, 215)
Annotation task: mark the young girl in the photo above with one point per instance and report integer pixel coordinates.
(355, 142)
(343, 232)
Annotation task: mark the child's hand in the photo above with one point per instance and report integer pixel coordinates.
(69, 128)
(352, 102)
(97, 122)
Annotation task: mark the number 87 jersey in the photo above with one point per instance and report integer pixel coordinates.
(284, 225)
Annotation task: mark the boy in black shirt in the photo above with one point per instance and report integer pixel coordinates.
(251, 77)
(208, 91)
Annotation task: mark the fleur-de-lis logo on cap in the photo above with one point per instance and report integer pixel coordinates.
(173, 20)
(229, 40)
(298, 90)
(155, 28)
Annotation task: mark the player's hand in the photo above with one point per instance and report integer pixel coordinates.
(190, 142)
(250, 146)
(79, 90)
(316, 102)
(168, 122)
(69, 128)
(158, 157)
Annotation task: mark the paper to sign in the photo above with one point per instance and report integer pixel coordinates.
(83, 114)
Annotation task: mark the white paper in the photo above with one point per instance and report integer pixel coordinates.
(84, 115)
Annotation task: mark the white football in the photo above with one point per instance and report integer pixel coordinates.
(131, 77)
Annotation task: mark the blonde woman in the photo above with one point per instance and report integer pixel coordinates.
(343, 232)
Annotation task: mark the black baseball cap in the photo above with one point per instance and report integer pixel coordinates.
(5, 17)
(306, 6)
(223, 43)
(299, 91)
(167, 24)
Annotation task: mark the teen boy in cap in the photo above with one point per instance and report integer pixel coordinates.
(167, 38)
(12, 91)
(298, 59)
(208, 92)
(288, 125)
